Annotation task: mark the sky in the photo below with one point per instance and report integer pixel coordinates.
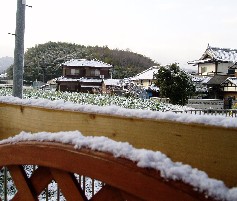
(166, 31)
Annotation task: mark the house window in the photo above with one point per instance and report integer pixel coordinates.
(95, 72)
(75, 71)
(67, 71)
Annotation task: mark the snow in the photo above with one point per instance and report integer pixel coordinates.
(112, 82)
(233, 80)
(200, 79)
(143, 158)
(66, 79)
(123, 112)
(88, 63)
(221, 54)
(147, 74)
(4, 75)
(218, 54)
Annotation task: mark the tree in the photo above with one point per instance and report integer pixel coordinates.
(42, 62)
(175, 84)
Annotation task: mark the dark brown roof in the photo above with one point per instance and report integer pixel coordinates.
(217, 79)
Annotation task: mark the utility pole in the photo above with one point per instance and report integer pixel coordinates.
(19, 49)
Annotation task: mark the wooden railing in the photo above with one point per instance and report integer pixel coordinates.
(122, 179)
(208, 148)
(215, 112)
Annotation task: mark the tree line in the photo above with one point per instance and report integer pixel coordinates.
(43, 62)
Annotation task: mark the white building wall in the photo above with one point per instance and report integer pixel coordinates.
(230, 89)
(206, 68)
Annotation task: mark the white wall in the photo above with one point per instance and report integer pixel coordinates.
(207, 68)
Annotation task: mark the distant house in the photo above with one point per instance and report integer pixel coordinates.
(146, 80)
(214, 88)
(215, 60)
(220, 65)
(146, 77)
(81, 75)
(229, 87)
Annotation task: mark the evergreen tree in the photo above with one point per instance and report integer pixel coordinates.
(175, 84)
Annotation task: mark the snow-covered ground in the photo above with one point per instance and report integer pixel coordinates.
(96, 99)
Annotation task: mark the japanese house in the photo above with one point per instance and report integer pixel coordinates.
(215, 60)
(81, 75)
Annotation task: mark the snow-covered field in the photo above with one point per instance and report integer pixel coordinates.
(96, 99)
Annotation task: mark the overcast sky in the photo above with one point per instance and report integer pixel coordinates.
(167, 31)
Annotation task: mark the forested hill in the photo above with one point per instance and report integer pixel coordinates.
(43, 61)
(5, 62)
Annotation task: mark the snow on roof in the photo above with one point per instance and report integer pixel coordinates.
(206, 80)
(66, 79)
(200, 61)
(217, 54)
(147, 74)
(88, 63)
(119, 111)
(232, 80)
(143, 158)
(222, 54)
(112, 82)
(4, 75)
(82, 79)
(201, 79)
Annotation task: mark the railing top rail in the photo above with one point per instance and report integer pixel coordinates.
(227, 110)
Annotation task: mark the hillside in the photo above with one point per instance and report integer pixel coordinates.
(42, 62)
(5, 62)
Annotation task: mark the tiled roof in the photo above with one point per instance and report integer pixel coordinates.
(217, 54)
(233, 80)
(221, 54)
(217, 79)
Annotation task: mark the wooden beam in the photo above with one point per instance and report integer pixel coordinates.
(24, 187)
(68, 185)
(40, 179)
